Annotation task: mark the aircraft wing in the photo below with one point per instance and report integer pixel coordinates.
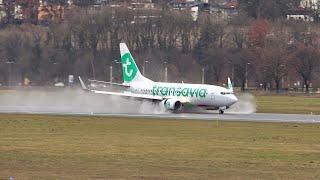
(117, 84)
(125, 94)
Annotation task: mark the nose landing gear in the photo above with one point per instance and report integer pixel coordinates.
(221, 111)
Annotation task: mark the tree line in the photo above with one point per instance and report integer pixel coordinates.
(267, 53)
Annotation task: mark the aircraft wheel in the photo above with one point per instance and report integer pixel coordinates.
(221, 111)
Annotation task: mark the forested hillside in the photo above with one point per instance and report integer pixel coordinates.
(268, 51)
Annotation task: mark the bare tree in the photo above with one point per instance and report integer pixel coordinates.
(16, 48)
(240, 59)
(88, 31)
(186, 26)
(221, 32)
(239, 36)
(208, 37)
(305, 62)
(215, 59)
(8, 9)
(273, 65)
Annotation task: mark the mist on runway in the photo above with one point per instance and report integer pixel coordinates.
(246, 104)
(71, 101)
(78, 101)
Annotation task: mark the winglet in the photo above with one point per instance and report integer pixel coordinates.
(230, 85)
(82, 84)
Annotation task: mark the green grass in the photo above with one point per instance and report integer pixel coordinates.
(288, 104)
(70, 147)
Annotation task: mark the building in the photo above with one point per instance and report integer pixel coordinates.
(300, 14)
(141, 4)
(311, 4)
(194, 6)
(184, 4)
(226, 10)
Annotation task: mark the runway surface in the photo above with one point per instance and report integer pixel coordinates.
(255, 117)
(77, 102)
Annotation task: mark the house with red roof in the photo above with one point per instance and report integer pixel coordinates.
(225, 10)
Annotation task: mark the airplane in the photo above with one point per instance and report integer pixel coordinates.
(173, 96)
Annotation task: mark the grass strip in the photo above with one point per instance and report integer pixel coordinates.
(71, 147)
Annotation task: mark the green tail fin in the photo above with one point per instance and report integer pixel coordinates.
(230, 85)
(130, 69)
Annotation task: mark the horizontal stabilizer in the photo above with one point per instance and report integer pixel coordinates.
(110, 83)
(82, 84)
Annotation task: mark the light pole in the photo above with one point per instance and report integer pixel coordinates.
(282, 80)
(246, 74)
(202, 79)
(111, 73)
(56, 78)
(10, 71)
(165, 72)
(232, 73)
(143, 67)
(111, 69)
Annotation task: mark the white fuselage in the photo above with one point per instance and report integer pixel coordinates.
(195, 94)
(172, 95)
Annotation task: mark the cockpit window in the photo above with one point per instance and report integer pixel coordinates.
(224, 93)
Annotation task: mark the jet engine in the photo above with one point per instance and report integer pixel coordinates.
(172, 104)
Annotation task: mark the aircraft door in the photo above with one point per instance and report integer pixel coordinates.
(212, 95)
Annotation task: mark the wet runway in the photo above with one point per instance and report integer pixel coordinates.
(77, 102)
(255, 117)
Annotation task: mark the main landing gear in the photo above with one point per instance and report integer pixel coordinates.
(221, 111)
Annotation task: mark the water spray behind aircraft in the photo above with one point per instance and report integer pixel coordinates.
(77, 101)
(70, 101)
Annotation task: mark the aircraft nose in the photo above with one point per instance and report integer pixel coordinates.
(233, 99)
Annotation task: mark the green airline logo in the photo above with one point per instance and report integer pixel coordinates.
(128, 68)
(185, 92)
(167, 104)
